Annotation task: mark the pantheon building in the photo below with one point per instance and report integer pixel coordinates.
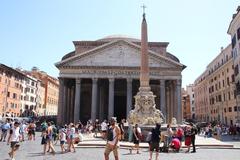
(99, 79)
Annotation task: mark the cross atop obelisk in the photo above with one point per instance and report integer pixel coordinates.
(143, 6)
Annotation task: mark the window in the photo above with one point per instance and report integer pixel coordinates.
(235, 108)
(14, 96)
(32, 99)
(32, 83)
(230, 109)
(223, 83)
(220, 98)
(225, 110)
(238, 33)
(236, 70)
(233, 78)
(233, 41)
(228, 83)
(229, 96)
(8, 94)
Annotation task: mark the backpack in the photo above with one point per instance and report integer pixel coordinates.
(110, 134)
(149, 137)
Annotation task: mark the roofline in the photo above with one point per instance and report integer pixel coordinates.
(115, 41)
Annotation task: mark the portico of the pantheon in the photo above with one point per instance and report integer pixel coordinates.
(99, 79)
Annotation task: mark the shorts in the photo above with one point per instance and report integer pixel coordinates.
(108, 150)
(71, 137)
(62, 142)
(154, 146)
(14, 144)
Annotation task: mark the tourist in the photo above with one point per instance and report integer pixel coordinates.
(155, 140)
(136, 138)
(5, 127)
(121, 126)
(14, 138)
(31, 131)
(104, 129)
(169, 134)
(179, 134)
(44, 140)
(219, 132)
(50, 138)
(112, 140)
(23, 129)
(71, 137)
(193, 136)
(175, 144)
(96, 128)
(62, 137)
(187, 134)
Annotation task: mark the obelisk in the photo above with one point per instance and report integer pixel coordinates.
(145, 112)
(144, 72)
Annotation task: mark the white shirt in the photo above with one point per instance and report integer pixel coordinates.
(103, 126)
(15, 135)
(63, 136)
(72, 131)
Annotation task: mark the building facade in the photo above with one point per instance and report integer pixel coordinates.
(190, 92)
(215, 94)
(40, 99)
(234, 31)
(99, 79)
(10, 89)
(28, 96)
(50, 86)
(186, 107)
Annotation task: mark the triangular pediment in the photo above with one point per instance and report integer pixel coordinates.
(119, 53)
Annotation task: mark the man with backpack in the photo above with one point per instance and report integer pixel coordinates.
(113, 134)
(155, 140)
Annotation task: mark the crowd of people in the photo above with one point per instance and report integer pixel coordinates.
(67, 135)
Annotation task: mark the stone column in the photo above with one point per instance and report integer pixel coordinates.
(129, 96)
(101, 103)
(111, 98)
(179, 100)
(77, 100)
(168, 104)
(68, 104)
(171, 101)
(94, 99)
(64, 115)
(163, 106)
(61, 105)
(175, 110)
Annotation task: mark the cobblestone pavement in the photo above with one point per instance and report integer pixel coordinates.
(32, 150)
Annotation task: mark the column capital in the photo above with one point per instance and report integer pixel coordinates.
(162, 82)
(129, 80)
(94, 80)
(78, 80)
(179, 82)
(111, 79)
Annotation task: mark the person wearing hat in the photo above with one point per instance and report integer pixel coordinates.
(113, 134)
(14, 138)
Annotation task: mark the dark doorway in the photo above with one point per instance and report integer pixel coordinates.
(120, 99)
(85, 104)
(120, 107)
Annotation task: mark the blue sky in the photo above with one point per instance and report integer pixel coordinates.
(39, 33)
